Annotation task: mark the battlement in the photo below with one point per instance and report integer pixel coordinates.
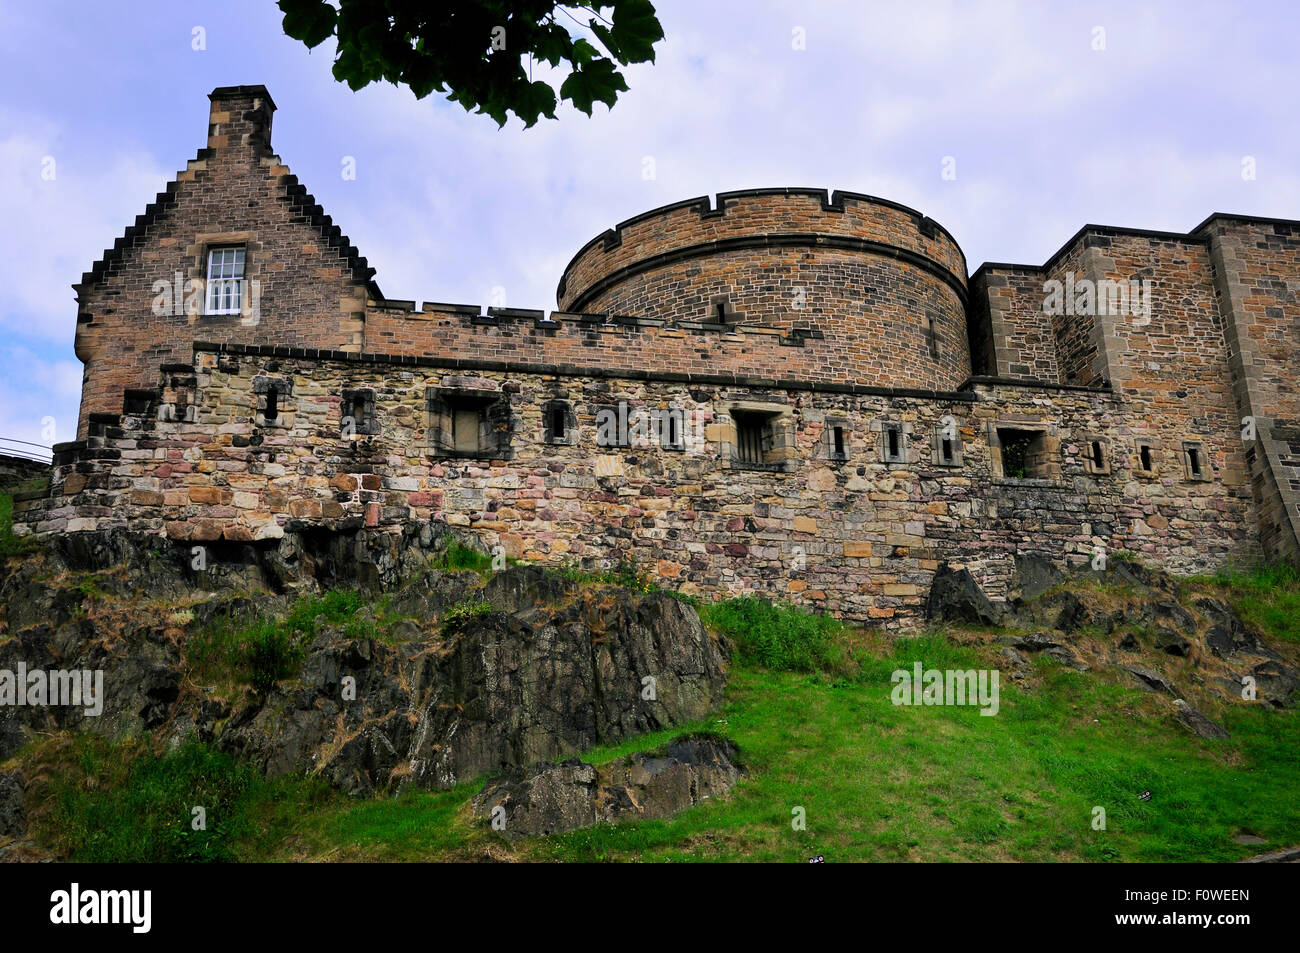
(474, 315)
(767, 218)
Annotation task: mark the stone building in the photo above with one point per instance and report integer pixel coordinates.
(781, 390)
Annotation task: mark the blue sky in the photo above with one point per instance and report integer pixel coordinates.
(1047, 133)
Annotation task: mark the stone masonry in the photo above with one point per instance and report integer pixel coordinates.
(829, 406)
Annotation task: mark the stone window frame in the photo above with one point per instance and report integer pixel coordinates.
(958, 459)
(930, 334)
(777, 435)
(1050, 452)
(496, 422)
(1153, 447)
(846, 439)
(1195, 450)
(729, 316)
(549, 409)
(883, 427)
(1089, 462)
(362, 399)
(180, 385)
(196, 256)
(263, 386)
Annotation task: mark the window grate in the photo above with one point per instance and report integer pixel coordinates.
(749, 439)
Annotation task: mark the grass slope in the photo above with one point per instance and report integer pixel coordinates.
(809, 705)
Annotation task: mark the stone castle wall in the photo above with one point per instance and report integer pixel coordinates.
(791, 330)
(856, 536)
(1213, 359)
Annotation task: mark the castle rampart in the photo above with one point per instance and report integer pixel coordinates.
(808, 397)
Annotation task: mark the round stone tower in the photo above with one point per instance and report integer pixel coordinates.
(883, 285)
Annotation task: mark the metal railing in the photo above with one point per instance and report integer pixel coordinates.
(25, 450)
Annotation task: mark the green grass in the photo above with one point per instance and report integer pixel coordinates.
(875, 781)
(778, 637)
(459, 557)
(1267, 596)
(116, 802)
(463, 612)
(816, 731)
(262, 651)
(627, 574)
(11, 545)
(879, 782)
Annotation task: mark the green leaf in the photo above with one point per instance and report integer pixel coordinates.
(554, 44)
(635, 30)
(607, 38)
(584, 52)
(311, 21)
(439, 47)
(598, 80)
(535, 99)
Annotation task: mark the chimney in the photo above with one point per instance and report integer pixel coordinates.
(240, 117)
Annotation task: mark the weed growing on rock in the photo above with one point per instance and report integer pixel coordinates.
(463, 612)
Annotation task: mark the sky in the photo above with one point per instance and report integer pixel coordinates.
(1011, 124)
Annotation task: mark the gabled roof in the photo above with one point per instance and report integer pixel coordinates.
(303, 206)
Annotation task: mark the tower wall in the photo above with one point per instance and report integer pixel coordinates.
(884, 283)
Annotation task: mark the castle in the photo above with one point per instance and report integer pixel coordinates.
(781, 391)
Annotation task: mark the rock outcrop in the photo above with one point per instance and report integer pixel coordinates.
(545, 667)
(509, 688)
(549, 798)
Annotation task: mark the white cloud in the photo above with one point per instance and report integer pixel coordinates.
(38, 399)
(66, 203)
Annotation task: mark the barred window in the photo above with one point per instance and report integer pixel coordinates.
(753, 436)
(225, 280)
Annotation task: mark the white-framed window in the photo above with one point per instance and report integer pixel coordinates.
(225, 280)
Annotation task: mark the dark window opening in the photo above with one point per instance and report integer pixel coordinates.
(893, 443)
(358, 406)
(558, 422)
(1144, 456)
(947, 450)
(931, 339)
(838, 435)
(1098, 460)
(1194, 461)
(1024, 454)
(674, 438)
(272, 410)
(612, 429)
(749, 438)
(471, 423)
